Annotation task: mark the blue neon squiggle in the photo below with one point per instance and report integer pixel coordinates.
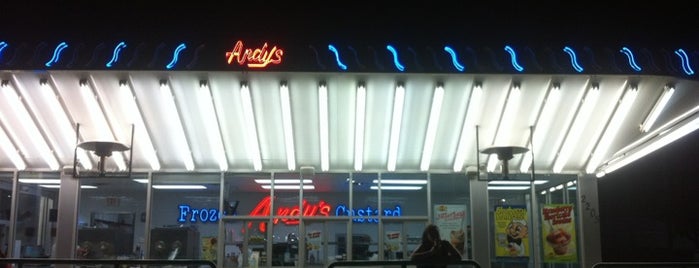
(685, 61)
(337, 57)
(454, 60)
(632, 62)
(395, 58)
(573, 59)
(175, 56)
(513, 56)
(56, 54)
(115, 54)
(3, 45)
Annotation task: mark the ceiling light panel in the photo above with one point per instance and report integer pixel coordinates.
(210, 119)
(27, 127)
(377, 128)
(142, 140)
(418, 100)
(572, 90)
(342, 116)
(305, 111)
(467, 137)
(173, 117)
(612, 128)
(251, 130)
(225, 91)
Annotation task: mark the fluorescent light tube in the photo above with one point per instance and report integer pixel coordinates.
(177, 134)
(213, 130)
(140, 129)
(657, 109)
(508, 187)
(509, 182)
(360, 110)
(283, 181)
(323, 119)
(432, 125)
(288, 187)
(395, 187)
(178, 187)
(383, 182)
(40, 181)
(288, 127)
(398, 99)
(468, 129)
(253, 144)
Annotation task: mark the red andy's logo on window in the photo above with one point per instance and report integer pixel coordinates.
(254, 57)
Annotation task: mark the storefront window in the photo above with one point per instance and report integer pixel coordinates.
(184, 216)
(451, 209)
(111, 217)
(403, 194)
(247, 215)
(35, 226)
(365, 230)
(559, 220)
(5, 210)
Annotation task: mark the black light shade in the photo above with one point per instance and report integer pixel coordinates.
(103, 149)
(505, 153)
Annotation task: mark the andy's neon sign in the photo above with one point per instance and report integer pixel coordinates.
(289, 214)
(254, 58)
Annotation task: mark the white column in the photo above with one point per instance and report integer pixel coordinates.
(67, 220)
(588, 209)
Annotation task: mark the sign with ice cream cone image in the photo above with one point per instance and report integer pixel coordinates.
(558, 231)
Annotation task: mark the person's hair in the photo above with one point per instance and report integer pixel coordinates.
(431, 234)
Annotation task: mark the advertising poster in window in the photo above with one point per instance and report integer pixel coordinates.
(313, 246)
(558, 231)
(451, 219)
(511, 232)
(208, 248)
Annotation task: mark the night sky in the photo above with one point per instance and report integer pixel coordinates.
(649, 209)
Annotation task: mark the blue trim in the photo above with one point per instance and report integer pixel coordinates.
(337, 57)
(632, 61)
(175, 56)
(685, 61)
(115, 54)
(395, 58)
(513, 56)
(454, 59)
(3, 45)
(56, 54)
(573, 59)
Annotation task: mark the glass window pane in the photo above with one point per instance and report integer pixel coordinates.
(403, 194)
(35, 229)
(111, 217)
(184, 215)
(451, 209)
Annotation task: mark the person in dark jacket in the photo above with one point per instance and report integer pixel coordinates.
(434, 249)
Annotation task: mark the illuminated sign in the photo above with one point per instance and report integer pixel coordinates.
(287, 215)
(194, 214)
(342, 210)
(254, 58)
(309, 209)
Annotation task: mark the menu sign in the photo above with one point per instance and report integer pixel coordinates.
(558, 231)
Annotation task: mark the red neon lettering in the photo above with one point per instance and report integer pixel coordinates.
(264, 206)
(255, 58)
